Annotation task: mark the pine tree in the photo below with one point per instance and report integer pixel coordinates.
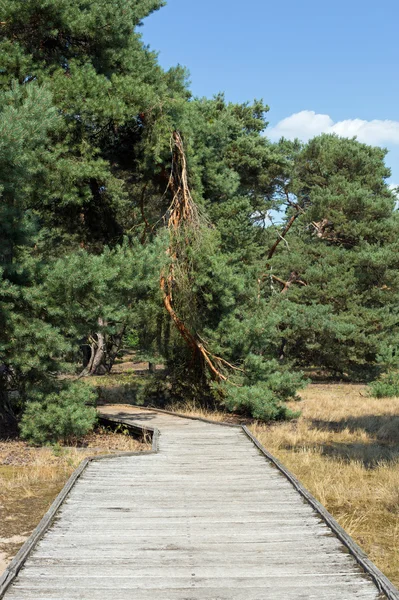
(127, 205)
(108, 90)
(112, 294)
(219, 349)
(333, 279)
(30, 347)
(105, 85)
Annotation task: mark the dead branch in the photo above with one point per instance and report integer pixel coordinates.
(183, 215)
(286, 284)
(283, 234)
(276, 279)
(182, 209)
(146, 223)
(220, 359)
(321, 227)
(292, 279)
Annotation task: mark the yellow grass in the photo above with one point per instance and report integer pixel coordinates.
(28, 485)
(34, 466)
(41, 465)
(345, 450)
(193, 409)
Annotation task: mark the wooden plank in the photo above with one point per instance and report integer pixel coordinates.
(207, 518)
(341, 592)
(270, 582)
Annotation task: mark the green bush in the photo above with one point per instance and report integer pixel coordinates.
(264, 391)
(261, 394)
(59, 416)
(257, 401)
(386, 386)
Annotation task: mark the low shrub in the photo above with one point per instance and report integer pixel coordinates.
(386, 386)
(257, 401)
(265, 388)
(59, 416)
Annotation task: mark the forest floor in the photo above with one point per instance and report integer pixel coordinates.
(30, 479)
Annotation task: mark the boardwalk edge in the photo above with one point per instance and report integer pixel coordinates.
(383, 584)
(181, 415)
(20, 558)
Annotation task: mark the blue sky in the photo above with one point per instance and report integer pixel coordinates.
(320, 66)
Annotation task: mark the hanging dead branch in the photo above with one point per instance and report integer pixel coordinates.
(182, 210)
(184, 220)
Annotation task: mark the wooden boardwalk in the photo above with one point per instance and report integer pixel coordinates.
(206, 518)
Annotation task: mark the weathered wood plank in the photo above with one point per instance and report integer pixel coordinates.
(205, 519)
(342, 592)
(270, 582)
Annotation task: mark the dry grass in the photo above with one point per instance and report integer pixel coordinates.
(119, 440)
(193, 409)
(22, 468)
(30, 479)
(345, 450)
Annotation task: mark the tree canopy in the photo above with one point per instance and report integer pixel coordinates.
(130, 209)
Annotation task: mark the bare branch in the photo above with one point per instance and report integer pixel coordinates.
(183, 213)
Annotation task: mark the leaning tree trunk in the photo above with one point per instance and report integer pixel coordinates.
(101, 351)
(98, 355)
(96, 352)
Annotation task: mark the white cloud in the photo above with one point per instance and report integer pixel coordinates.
(303, 125)
(307, 124)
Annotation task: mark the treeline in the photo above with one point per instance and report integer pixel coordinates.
(133, 214)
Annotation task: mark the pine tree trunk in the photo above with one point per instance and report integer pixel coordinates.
(95, 364)
(100, 355)
(8, 419)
